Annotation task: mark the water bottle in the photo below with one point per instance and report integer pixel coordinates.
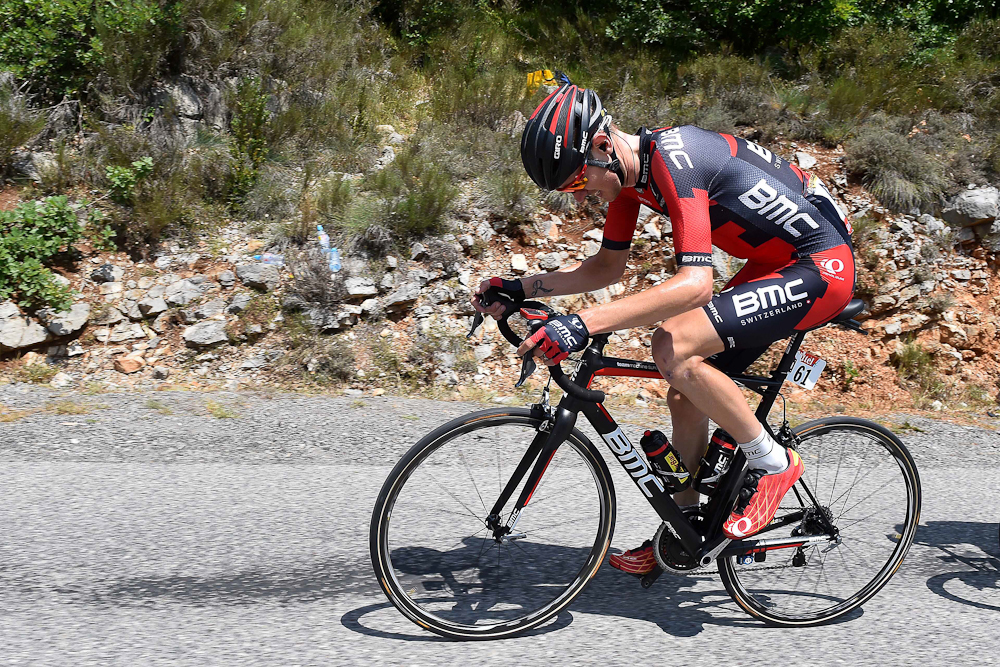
(716, 462)
(334, 260)
(324, 239)
(665, 460)
(271, 258)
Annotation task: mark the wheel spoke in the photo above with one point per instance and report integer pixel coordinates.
(828, 585)
(459, 579)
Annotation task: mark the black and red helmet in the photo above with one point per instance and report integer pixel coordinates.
(556, 139)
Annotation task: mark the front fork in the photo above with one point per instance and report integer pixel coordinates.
(557, 425)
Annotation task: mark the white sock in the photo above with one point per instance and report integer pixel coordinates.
(763, 453)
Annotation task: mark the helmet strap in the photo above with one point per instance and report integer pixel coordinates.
(614, 164)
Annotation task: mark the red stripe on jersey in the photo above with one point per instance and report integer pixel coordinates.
(732, 143)
(727, 237)
(689, 215)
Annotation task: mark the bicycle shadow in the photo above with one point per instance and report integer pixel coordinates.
(977, 584)
(680, 605)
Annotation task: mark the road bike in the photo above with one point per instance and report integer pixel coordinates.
(494, 522)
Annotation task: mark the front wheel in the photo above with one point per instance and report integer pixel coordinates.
(434, 546)
(860, 490)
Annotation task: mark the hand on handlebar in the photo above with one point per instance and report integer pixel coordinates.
(556, 338)
(511, 289)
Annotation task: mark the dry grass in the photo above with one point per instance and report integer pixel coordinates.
(221, 410)
(159, 406)
(8, 415)
(69, 407)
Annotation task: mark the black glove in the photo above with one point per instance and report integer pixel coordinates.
(509, 288)
(560, 336)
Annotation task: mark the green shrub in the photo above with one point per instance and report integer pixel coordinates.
(123, 180)
(249, 127)
(416, 195)
(913, 363)
(64, 44)
(893, 168)
(18, 123)
(509, 194)
(31, 235)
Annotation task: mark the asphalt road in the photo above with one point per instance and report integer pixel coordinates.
(136, 537)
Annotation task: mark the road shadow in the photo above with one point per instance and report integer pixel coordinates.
(680, 605)
(976, 580)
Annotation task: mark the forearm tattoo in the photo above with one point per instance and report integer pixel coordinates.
(536, 287)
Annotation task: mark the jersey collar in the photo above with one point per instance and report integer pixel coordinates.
(645, 156)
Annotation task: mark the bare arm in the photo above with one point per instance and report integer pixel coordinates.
(604, 268)
(690, 288)
(593, 273)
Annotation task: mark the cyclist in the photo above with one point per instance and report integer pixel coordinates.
(717, 190)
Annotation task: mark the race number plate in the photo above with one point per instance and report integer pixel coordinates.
(806, 369)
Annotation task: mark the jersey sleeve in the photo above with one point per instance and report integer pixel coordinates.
(685, 162)
(620, 224)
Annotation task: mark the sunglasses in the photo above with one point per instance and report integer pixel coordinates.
(578, 184)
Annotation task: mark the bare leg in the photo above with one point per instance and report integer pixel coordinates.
(680, 346)
(690, 437)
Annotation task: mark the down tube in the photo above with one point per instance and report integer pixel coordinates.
(645, 479)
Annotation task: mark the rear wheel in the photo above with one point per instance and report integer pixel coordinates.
(860, 489)
(434, 546)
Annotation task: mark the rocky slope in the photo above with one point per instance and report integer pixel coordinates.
(211, 316)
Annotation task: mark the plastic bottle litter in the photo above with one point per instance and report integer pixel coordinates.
(334, 261)
(324, 238)
(271, 258)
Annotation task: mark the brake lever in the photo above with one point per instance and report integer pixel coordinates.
(527, 368)
(477, 321)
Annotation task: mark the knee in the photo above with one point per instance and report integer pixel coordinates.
(664, 348)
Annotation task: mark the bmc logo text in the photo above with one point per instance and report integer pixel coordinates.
(671, 142)
(558, 150)
(767, 297)
(634, 463)
(765, 200)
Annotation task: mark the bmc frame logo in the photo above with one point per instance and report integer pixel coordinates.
(633, 463)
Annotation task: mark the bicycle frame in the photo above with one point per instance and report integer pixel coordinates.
(561, 419)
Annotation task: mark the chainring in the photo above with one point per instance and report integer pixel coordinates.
(670, 554)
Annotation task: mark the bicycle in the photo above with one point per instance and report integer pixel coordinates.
(494, 522)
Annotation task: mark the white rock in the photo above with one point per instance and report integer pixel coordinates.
(61, 380)
(594, 235)
(519, 263)
(804, 160)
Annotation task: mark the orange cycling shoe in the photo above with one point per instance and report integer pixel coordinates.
(635, 561)
(760, 498)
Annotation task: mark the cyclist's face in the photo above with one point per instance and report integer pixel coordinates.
(599, 181)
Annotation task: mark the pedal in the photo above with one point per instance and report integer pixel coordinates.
(650, 577)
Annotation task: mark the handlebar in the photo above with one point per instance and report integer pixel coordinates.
(492, 296)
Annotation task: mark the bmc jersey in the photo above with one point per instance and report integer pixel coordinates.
(728, 192)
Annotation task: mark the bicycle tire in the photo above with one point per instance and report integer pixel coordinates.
(765, 603)
(382, 529)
